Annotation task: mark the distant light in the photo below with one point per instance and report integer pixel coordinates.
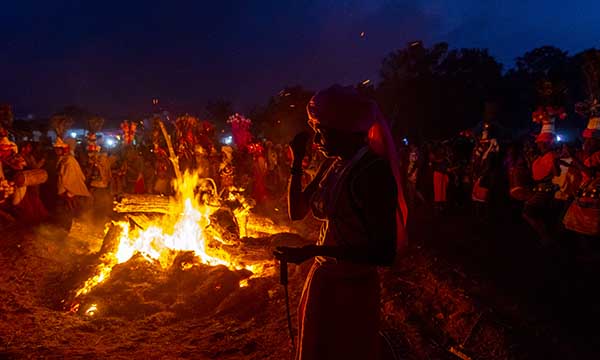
(405, 141)
(110, 142)
(73, 134)
(366, 82)
(559, 138)
(362, 34)
(227, 140)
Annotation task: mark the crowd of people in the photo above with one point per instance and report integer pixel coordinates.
(358, 195)
(57, 180)
(553, 184)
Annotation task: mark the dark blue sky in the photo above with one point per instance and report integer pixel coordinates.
(112, 57)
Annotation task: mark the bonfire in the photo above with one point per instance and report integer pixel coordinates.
(162, 237)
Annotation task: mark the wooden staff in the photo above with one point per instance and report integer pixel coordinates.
(172, 157)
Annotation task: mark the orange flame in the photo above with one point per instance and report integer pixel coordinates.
(183, 231)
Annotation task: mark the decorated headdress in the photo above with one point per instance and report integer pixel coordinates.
(59, 143)
(240, 130)
(187, 138)
(343, 108)
(207, 128)
(60, 124)
(187, 126)
(93, 148)
(94, 125)
(7, 145)
(591, 107)
(256, 149)
(128, 128)
(549, 94)
(547, 116)
(206, 134)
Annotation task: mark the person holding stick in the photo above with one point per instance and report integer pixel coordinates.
(357, 196)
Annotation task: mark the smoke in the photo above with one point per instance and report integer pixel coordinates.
(68, 247)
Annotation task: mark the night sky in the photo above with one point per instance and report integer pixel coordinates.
(114, 57)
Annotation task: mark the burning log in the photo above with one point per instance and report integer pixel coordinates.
(259, 226)
(224, 227)
(111, 239)
(146, 203)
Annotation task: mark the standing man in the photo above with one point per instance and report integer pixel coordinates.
(362, 225)
(72, 191)
(482, 163)
(100, 174)
(540, 209)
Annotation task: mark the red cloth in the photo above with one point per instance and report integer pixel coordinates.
(440, 186)
(545, 137)
(543, 166)
(31, 210)
(339, 313)
(260, 170)
(139, 187)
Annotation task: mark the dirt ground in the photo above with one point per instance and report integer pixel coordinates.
(463, 289)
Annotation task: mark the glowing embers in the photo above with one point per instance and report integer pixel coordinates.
(91, 311)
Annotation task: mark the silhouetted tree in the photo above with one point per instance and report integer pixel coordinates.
(409, 90)
(581, 66)
(522, 83)
(432, 93)
(469, 78)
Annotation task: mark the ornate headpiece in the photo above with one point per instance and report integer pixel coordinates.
(128, 128)
(546, 116)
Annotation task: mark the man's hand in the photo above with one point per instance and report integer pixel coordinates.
(295, 255)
